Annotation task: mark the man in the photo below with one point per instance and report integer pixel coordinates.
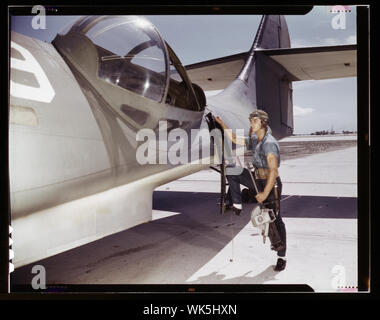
(266, 159)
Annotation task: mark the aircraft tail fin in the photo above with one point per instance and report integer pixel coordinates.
(261, 84)
(272, 33)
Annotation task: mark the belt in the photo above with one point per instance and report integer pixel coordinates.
(263, 173)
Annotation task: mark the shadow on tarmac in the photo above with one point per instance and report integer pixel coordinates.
(214, 278)
(175, 247)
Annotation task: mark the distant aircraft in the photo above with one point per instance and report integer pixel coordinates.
(76, 105)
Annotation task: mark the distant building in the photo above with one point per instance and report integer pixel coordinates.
(319, 133)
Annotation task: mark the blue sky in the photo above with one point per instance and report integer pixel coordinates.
(319, 105)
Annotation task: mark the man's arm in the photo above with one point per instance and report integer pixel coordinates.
(271, 180)
(230, 135)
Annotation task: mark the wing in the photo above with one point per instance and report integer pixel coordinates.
(309, 63)
(316, 63)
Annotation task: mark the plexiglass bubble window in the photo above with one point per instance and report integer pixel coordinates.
(131, 53)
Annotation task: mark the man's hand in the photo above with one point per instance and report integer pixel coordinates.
(228, 132)
(261, 196)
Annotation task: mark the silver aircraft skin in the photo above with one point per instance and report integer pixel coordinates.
(77, 104)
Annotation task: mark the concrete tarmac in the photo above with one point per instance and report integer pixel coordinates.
(189, 242)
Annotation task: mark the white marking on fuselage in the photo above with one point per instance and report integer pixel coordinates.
(45, 92)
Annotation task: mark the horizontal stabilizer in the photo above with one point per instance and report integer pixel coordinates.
(316, 63)
(308, 63)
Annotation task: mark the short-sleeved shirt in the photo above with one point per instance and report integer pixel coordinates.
(261, 149)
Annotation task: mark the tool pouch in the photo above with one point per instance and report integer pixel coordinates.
(274, 237)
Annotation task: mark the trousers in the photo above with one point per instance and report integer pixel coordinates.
(234, 197)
